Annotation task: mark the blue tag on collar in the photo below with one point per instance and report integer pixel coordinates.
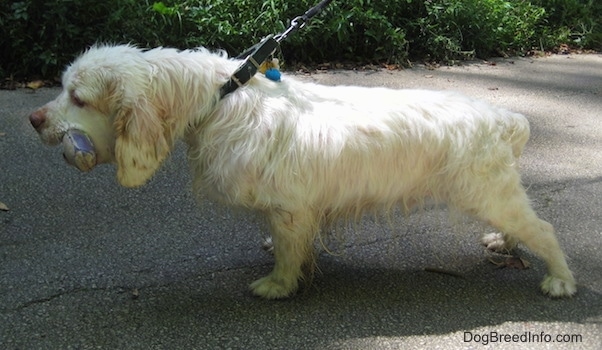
(273, 74)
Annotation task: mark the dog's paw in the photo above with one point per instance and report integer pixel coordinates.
(497, 242)
(270, 287)
(558, 288)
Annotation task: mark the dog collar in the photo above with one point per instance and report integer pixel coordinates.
(254, 57)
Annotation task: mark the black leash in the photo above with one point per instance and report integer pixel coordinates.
(258, 53)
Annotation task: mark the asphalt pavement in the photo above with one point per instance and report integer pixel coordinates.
(86, 264)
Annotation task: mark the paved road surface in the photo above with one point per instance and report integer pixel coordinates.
(86, 264)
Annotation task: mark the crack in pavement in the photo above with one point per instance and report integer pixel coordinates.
(124, 289)
(51, 297)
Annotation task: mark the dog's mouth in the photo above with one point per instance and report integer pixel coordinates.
(78, 150)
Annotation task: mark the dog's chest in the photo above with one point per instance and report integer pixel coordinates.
(222, 170)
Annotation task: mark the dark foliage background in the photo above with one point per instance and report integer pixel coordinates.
(39, 37)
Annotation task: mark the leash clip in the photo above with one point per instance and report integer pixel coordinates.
(296, 24)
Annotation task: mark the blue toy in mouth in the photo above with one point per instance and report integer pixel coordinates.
(78, 150)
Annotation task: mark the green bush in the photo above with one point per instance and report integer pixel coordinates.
(574, 22)
(39, 37)
(452, 29)
(346, 30)
(389, 30)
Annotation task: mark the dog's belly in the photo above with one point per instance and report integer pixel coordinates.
(354, 181)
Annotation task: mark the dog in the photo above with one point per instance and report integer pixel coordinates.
(303, 155)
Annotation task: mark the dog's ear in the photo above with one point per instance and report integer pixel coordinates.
(141, 144)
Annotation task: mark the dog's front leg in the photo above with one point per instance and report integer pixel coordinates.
(293, 235)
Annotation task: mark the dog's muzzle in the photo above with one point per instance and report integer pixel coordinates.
(78, 149)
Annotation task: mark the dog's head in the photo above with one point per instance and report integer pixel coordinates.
(107, 96)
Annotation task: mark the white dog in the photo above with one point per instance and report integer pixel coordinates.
(304, 155)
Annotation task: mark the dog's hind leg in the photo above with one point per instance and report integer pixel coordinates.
(506, 207)
(293, 235)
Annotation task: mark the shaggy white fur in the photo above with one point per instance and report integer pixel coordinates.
(304, 155)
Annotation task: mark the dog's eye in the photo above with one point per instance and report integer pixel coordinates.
(76, 100)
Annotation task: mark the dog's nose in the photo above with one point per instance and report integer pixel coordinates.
(37, 118)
